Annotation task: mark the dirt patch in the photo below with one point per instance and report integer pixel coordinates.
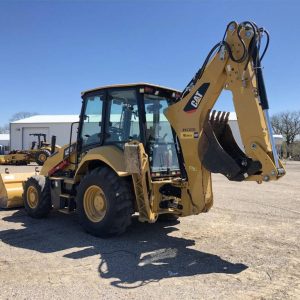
(246, 247)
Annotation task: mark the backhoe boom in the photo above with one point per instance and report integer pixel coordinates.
(205, 138)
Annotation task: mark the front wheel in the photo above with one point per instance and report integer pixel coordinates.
(104, 203)
(37, 196)
(41, 156)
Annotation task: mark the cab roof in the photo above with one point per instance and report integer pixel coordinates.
(129, 85)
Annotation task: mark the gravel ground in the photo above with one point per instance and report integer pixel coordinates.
(246, 247)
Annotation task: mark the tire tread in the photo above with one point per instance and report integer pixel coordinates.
(42, 185)
(120, 219)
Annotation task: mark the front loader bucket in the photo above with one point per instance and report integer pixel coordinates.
(11, 189)
(219, 152)
(2, 160)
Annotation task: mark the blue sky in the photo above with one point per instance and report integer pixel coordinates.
(50, 51)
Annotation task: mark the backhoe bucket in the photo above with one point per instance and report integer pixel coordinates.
(219, 152)
(11, 189)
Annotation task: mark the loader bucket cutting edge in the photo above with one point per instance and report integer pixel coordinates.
(11, 189)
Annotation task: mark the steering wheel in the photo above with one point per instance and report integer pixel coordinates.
(162, 139)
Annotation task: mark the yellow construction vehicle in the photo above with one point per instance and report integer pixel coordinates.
(149, 149)
(40, 150)
(15, 157)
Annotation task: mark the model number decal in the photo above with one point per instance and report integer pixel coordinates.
(189, 135)
(188, 129)
(195, 100)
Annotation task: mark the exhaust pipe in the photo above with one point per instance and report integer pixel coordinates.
(53, 143)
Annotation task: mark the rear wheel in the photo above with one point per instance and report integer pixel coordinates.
(104, 203)
(41, 156)
(37, 196)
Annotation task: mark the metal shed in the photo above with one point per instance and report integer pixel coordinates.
(58, 125)
(4, 143)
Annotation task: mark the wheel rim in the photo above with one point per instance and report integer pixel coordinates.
(94, 203)
(32, 197)
(42, 157)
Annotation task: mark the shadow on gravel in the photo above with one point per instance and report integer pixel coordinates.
(146, 253)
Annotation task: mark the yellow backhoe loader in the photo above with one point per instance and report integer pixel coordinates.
(40, 150)
(150, 149)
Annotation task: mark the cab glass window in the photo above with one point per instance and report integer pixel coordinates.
(159, 137)
(123, 120)
(92, 117)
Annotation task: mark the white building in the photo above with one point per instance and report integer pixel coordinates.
(278, 138)
(232, 122)
(58, 125)
(4, 143)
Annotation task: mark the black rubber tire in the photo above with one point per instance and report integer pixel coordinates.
(21, 163)
(37, 155)
(168, 218)
(42, 185)
(119, 203)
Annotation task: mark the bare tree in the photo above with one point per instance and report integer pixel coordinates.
(21, 115)
(4, 129)
(17, 116)
(287, 124)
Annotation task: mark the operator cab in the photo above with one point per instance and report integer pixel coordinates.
(115, 115)
(41, 140)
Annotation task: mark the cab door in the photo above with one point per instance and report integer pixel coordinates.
(91, 127)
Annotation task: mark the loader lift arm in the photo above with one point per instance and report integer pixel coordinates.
(233, 64)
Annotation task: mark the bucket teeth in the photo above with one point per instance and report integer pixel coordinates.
(212, 116)
(226, 117)
(220, 117)
(219, 151)
(218, 121)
